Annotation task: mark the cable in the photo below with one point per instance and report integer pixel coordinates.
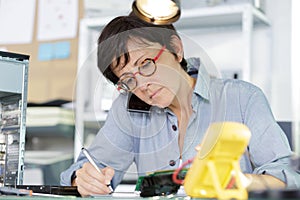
(177, 171)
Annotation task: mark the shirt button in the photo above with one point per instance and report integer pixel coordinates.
(172, 162)
(174, 127)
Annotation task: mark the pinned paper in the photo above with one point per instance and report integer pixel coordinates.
(46, 52)
(52, 51)
(62, 50)
(16, 21)
(57, 19)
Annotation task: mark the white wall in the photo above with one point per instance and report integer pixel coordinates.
(295, 71)
(279, 12)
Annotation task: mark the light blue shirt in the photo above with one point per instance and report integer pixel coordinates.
(151, 140)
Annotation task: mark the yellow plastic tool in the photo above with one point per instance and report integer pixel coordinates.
(215, 171)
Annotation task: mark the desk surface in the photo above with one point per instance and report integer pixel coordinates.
(128, 194)
(129, 198)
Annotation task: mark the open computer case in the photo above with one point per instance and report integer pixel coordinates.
(13, 103)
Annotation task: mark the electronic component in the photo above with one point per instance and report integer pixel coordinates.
(159, 183)
(13, 103)
(51, 189)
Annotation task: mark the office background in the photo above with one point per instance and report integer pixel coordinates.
(54, 77)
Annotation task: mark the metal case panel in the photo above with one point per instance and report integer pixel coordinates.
(13, 103)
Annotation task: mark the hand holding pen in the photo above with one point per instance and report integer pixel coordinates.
(91, 180)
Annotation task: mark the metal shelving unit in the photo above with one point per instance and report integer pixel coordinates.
(245, 16)
(241, 15)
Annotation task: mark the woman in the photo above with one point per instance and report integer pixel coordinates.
(148, 61)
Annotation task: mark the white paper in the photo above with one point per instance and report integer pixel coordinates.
(57, 19)
(16, 21)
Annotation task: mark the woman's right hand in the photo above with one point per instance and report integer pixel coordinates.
(90, 182)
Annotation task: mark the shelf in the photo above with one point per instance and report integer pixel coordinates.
(46, 157)
(50, 121)
(59, 130)
(225, 15)
(205, 17)
(49, 116)
(92, 116)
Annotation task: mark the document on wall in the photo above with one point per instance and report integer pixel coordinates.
(57, 19)
(16, 21)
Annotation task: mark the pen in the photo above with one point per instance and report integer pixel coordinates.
(91, 160)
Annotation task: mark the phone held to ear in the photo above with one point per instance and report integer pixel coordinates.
(135, 104)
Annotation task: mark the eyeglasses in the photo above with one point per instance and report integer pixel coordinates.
(128, 81)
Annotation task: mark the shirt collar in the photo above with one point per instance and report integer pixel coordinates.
(203, 79)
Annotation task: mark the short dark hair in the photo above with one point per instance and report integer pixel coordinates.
(112, 43)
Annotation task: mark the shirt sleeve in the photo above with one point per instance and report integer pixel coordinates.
(112, 146)
(268, 148)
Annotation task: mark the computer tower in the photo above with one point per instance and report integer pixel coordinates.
(13, 103)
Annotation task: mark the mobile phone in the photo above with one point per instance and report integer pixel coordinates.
(135, 104)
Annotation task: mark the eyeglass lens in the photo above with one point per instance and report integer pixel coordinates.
(129, 81)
